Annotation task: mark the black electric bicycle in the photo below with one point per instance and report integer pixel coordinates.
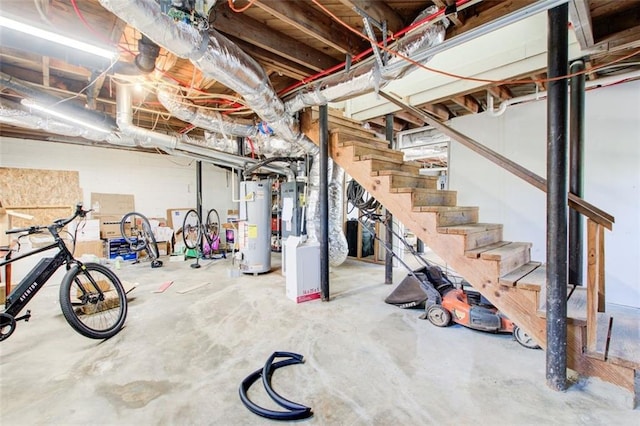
(136, 230)
(92, 298)
(203, 237)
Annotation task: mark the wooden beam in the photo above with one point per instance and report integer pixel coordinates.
(314, 23)
(501, 92)
(457, 20)
(254, 32)
(45, 71)
(627, 39)
(409, 118)
(438, 110)
(496, 10)
(378, 10)
(580, 17)
(469, 103)
(595, 280)
(540, 84)
(276, 63)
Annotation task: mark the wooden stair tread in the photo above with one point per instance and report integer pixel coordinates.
(513, 277)
(364, 143)
(391, 172)
(618, 337)
(576, 305)
(476, 253)
(340, 136)
(468, 228)
(438, 209)
(506, 250)
(624, 343)
(380, 157)
(536, 280)
(413, 181)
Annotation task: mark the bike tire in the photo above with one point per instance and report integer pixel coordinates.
(92, 313)
(212, 230)
(192, 229)
(151, 245)
(131, 228)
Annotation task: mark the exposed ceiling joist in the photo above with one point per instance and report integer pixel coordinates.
(254, 32)
(580, 17)
(456, 18)
(314, 23)
(440, 111)
(501, 92)
(469, 103)
(379, 11)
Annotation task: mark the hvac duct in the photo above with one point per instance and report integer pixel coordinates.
(220, 59)
(370, 76)
(14, 114)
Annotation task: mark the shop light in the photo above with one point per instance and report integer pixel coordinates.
(57, 38)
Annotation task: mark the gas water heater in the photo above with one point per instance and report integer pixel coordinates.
(254, 226)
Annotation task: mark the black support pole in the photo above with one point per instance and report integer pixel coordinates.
(324, 203)
(576, 154)
(388, 259)
(199, 187)
(557, 199)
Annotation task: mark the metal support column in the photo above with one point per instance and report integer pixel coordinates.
(576, 155)
(388, 260)
(556, 372)
(324, 203)
(199, 187)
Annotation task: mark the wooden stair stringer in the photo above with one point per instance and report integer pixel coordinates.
(519, 303)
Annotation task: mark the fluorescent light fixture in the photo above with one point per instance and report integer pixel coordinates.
(57, 38)
(62, 116)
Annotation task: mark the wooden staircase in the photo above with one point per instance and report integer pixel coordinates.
(501, 270)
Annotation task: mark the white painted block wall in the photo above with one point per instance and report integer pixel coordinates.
(159, 182)
(612, 177)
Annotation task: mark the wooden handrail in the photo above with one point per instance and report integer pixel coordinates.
(585, 208)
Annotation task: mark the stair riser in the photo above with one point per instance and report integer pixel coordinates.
(346, 138)
(377, 165)
(426, 182)
(480, 239)
(451, 218)
(434, 198)
(516, 260)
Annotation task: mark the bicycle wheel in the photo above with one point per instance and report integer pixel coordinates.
(93, 301)
(212, 229)
(192, 229)
(151, 245)
(132, 230)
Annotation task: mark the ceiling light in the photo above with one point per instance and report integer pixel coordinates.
(63, 116)
(57, 38)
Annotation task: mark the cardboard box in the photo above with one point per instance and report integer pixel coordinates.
(87, 230)
(175, 218)
(111, 204)
(95, 248)
(120, 247)
(110, 227)
(3, 293)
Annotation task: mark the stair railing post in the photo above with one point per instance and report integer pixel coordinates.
(595, 280)
(388, 260)
(323, 200)
(556, 355)
(576, 151)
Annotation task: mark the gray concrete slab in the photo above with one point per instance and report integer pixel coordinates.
(182, 355)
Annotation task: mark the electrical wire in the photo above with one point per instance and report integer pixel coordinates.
(242, 9)
(457, 76)
(357, 196)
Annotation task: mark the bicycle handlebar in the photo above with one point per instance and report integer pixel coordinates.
(58, 223)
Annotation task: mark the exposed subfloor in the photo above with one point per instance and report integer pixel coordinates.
(182, 355)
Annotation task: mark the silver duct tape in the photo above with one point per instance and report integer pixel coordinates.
(368, 77)
(338, 247)
(209, 120)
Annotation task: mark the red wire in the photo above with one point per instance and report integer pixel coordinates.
(251, 145)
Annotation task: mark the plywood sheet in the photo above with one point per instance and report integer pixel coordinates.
(37, 187)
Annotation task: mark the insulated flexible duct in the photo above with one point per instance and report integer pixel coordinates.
(218, 58)
(369, 76)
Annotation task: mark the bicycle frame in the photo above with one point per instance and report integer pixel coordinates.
(37, 277)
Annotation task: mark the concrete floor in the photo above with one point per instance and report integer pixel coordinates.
(181, 358)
